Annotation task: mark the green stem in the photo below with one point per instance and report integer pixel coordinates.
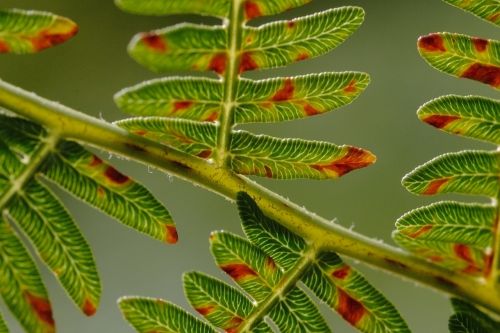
(287, 282)
(326, 235)
(230, 83)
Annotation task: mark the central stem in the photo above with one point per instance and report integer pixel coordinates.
(226, 119)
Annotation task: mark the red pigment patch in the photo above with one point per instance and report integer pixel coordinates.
(440, 121)
(269, 172)
(488, 264)
(205, 154)
(213, 116)
(154, 42)
(45, 39)
(435, 186)
(238, 271)
(4, 48)
(270, 263)
(436, 258)
(350, 309)
(89, 308)
(351, 87)
(252, 10)
(171, 236)
(310, 110)
(355, 158)
(182, 105)
(483, 73)
(341, 273)
(480, 44)
(285, 93)
(100, 192)
(115, 176)
(247, 63)
(235, 322)
(96, 161)
(218, 63)
(290, 24)
(494, 17)
(420, 231)
(463, 252)
(42, 308)
(302, 56)
(432, 43)
(204, 311)
(140, 132)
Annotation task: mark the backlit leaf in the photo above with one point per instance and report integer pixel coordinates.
(470, 116)
(451, 234)
(466, 172)
(469, 319)
(463, 56)
(257, 8)
(283, 42)
(184, 46)
(148, 315)
(22, 288)
(219, 8)
(23, 31)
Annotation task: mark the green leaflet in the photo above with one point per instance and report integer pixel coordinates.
(22, 288)
(329, 278)
(258, 155)
(470, 116)
(182, 47)
(466, 172)
(463, 56)
(222, 305)
(176, 97)
(451, 234)
(468, 319)
(23, 31)
(59, 243)
(488, 10)
(280, 99)
(154, 315)
(284, 42)
(99, 184)
(218, 8)
(276, 99)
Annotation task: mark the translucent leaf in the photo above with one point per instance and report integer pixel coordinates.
(223, 306)
(470, 116)
(218, 8)
(184, 46)
(258, 155)
(89, 178)
(469, 319)
(149, 315)
(451, 234)
(289, 98)
(21, 285)
(257, 8)
(466, 172)
(175, 97)
(488, 10)
(331, 280)
(284, 42)
(258, 275)
(463, 56)
(24, 31)
(59, 243)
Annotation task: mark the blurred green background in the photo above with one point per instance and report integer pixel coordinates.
(87, 71)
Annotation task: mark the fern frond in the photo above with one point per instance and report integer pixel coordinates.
(267, 267)
(463, 238)
(30, 155)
